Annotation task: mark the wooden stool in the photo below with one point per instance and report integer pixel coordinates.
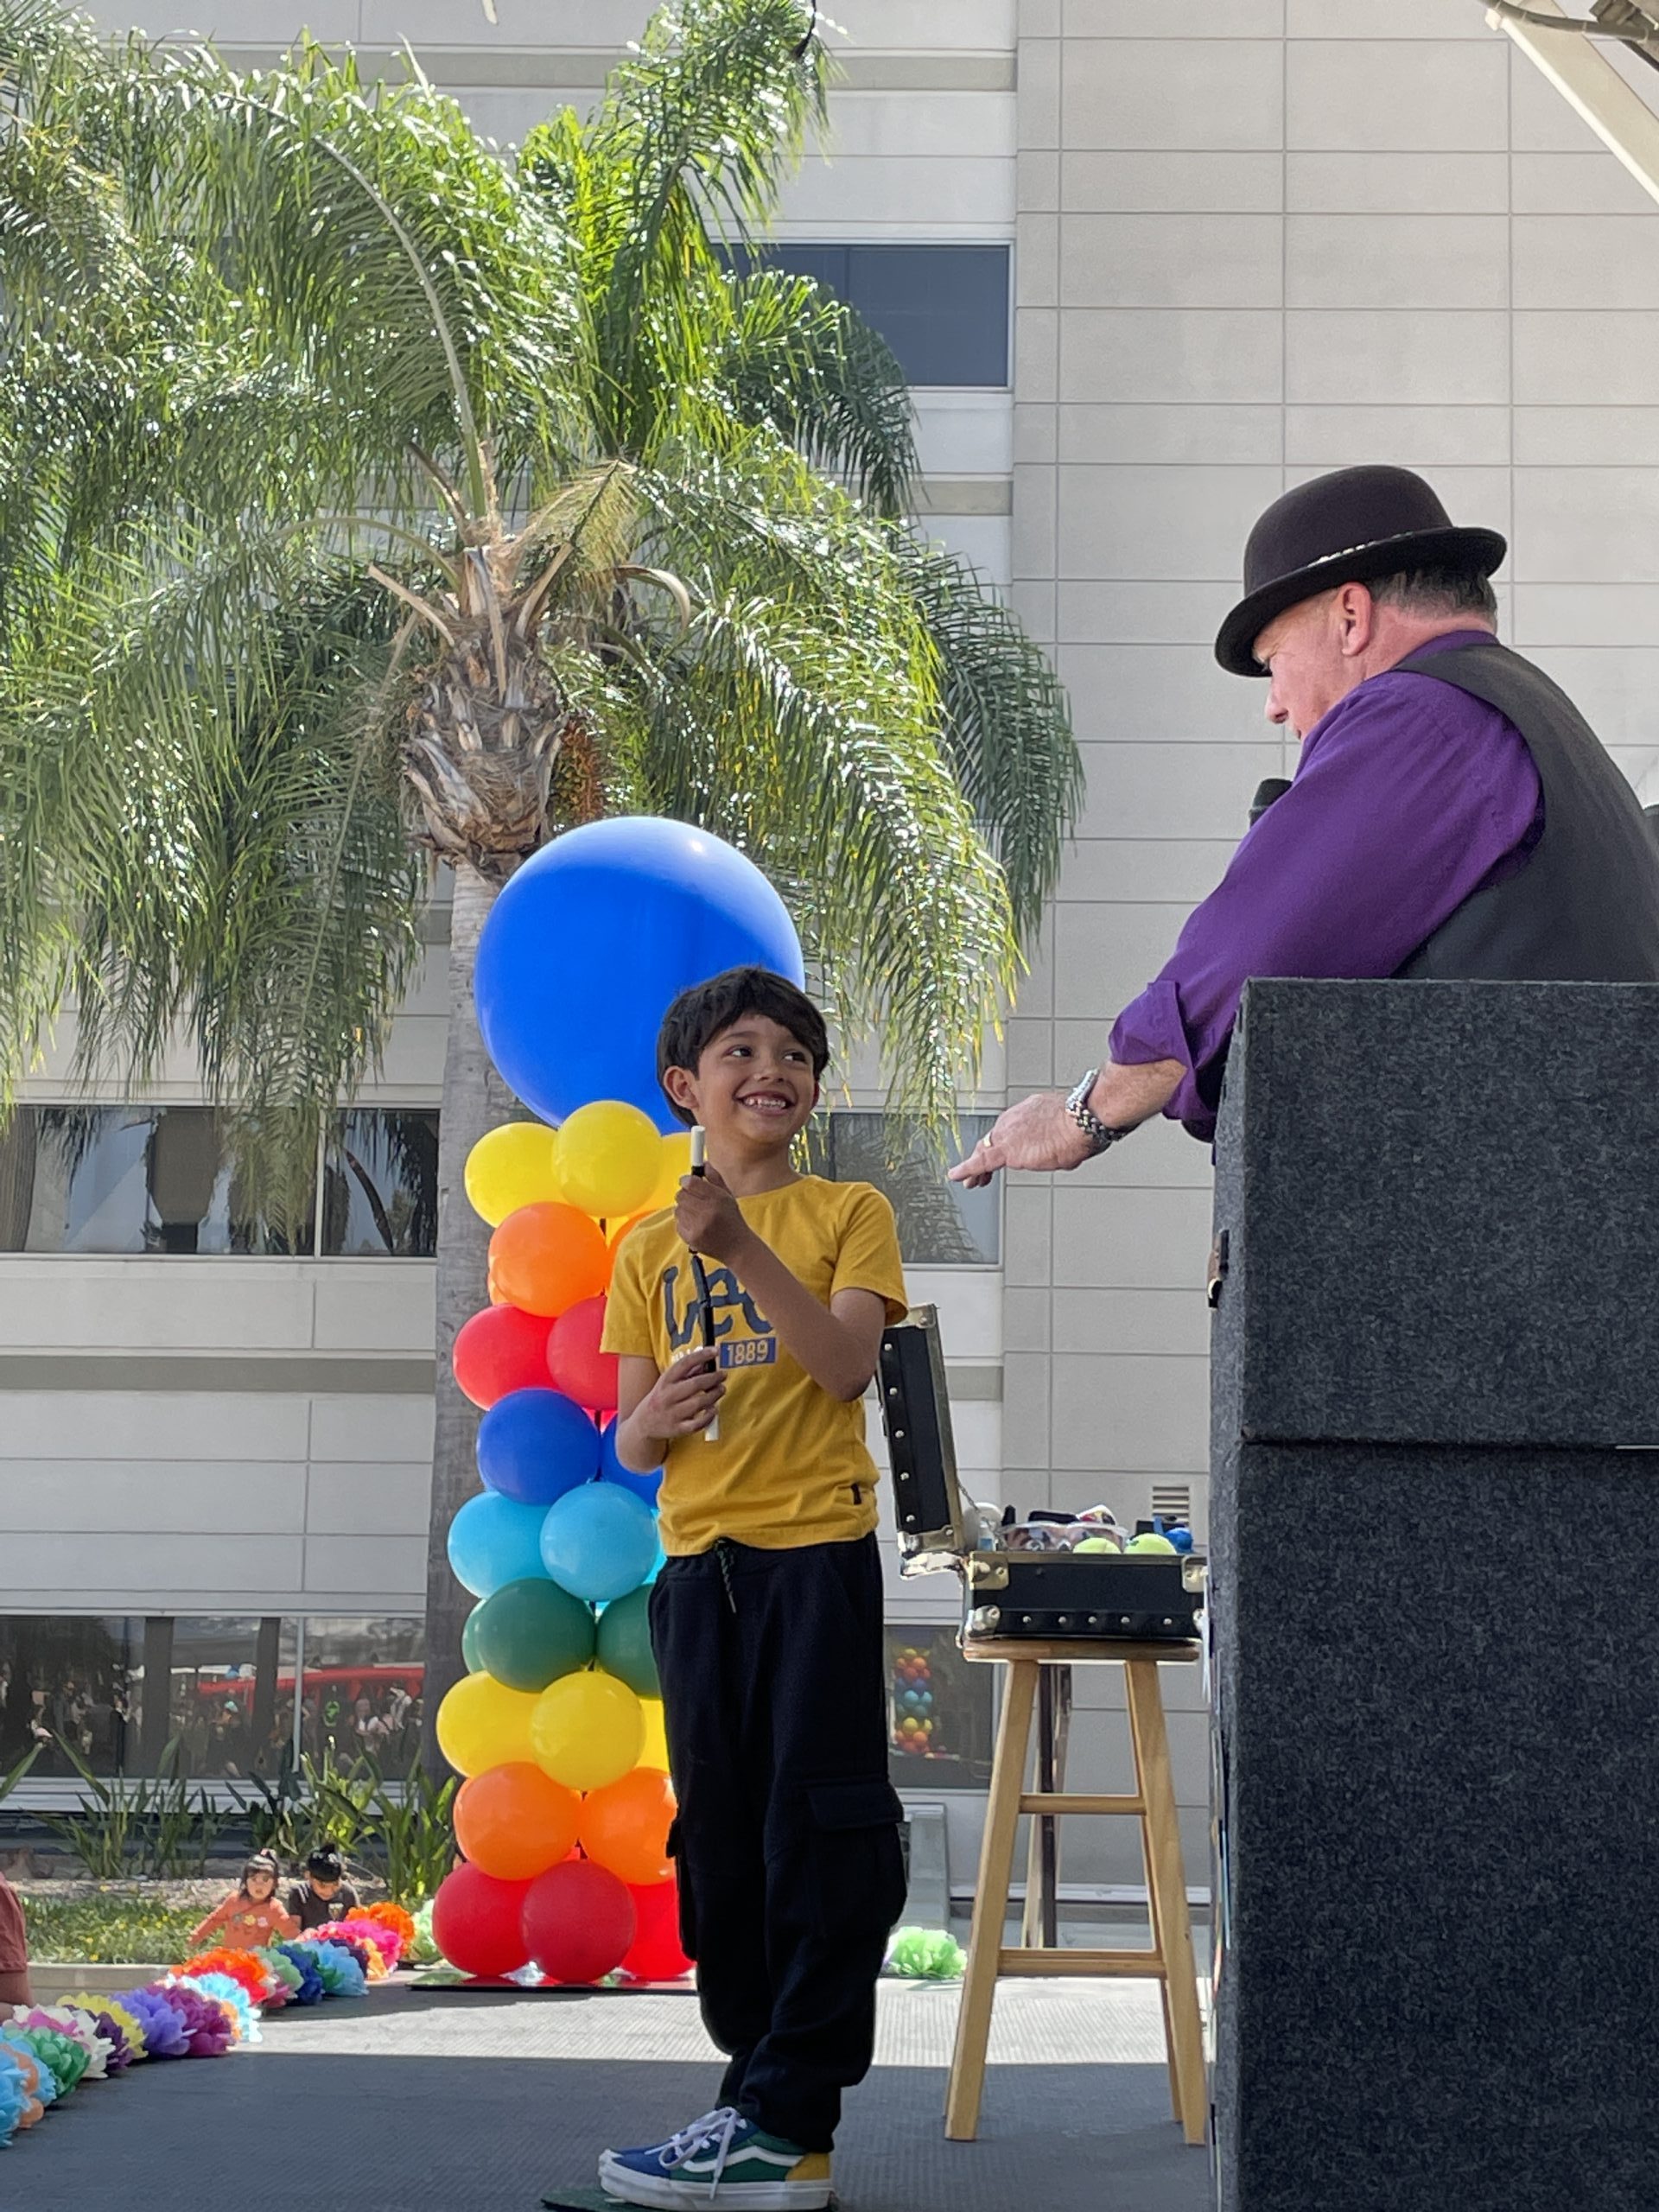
(1170, 1959)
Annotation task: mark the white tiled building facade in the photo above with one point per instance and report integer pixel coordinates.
(1252, 240)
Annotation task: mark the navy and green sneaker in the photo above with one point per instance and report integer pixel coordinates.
(722, 2159)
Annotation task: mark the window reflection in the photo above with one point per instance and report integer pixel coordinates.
(380, 1184)
(75, 1680)
(938, 1712)
(361, 1692)
(130, 1179)
(231, 1694)
(940, 1224)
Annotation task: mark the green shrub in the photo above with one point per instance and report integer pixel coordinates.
(110, 1928)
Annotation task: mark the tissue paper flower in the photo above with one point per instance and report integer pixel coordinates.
(303, 1959)
(207, 2026)
(116, 2023)
(243, 1966)
(393, 1916)
(38, 2085)
(14, 2099)
(162, 2023)
(283, 1976)
(234, 1997)
(382, 1946)
(342, 1976)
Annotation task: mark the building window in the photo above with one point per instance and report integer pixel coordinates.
(938, 1712)
(162, 1178)
(128, 1179)
(380, 1184)
(231, 1694)
(361, 1690)
(940, 1224)
(943, 309)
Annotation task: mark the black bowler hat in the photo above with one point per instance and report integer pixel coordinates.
(1346, 528)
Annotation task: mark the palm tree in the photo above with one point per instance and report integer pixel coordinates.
(368, 497)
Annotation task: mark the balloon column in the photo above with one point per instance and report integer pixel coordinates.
(563, 1818)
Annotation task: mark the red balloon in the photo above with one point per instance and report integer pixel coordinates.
(655, 1953)
(501, 1349)
(477, 1922)
(578, 1922)
(575, 1362)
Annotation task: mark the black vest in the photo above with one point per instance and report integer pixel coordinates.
(1584, 907)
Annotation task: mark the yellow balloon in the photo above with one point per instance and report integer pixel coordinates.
(675, 1166)
(481, 1724)
(514, 1166)
(586, 1730)
(655, 1752)
(610, 1158)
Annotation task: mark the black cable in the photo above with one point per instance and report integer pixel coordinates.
(799, 52)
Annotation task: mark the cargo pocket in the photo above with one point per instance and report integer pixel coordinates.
(857, 1865)
(686, 1891)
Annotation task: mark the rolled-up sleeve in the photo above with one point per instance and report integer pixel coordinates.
(1408, 796)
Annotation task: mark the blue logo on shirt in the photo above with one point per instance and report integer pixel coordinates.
(728, 1299)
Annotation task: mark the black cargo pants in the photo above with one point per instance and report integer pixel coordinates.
(786, 1843)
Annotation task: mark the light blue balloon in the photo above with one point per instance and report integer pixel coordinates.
(594, 937)
(494, 1540)
(599, 1542)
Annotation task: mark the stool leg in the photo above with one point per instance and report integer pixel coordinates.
(1171, 1927)
(1039, 1923)
(967, 2082)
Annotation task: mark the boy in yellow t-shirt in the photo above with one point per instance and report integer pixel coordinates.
(767, 1618)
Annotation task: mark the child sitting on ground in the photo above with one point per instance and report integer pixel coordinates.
(250, 1917)
(324, 1895)
(767, 1618)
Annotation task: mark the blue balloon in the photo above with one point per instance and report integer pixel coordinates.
(643, 1487)
(535, 1444)
(598, 1542)
(594, 936)
(494, 1540)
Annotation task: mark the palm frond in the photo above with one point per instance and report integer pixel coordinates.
(810, 366)
(1005, 722)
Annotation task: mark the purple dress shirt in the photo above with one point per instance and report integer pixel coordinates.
(1409, 797)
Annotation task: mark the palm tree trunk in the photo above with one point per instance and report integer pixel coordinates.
(475, 1100)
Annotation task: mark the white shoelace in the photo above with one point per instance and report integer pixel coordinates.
(713, 2132)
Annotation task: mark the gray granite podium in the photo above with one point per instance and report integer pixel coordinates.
(1434, 1604)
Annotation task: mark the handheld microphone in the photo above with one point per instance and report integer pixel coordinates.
(1270, 788)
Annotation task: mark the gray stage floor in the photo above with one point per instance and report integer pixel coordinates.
(426, 2099)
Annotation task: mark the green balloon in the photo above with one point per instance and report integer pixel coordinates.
(624, 1643)
(469, 1641)
(529, 1633)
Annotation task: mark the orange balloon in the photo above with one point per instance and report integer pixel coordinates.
(616, 1232)
(547, 1258)
(515, 1822)
(623, 1828)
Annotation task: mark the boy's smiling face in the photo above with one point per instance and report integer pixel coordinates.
(753, 1089)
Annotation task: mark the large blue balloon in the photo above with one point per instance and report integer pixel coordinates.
(535, 1444)
(591, 940)
(643, 1487)
(495, 1539)
(598, 1542)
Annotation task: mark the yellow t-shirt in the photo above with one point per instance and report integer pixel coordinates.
(790, 1465)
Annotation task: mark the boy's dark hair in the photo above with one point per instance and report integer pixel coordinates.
(325, 1864)
(698, 1016)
